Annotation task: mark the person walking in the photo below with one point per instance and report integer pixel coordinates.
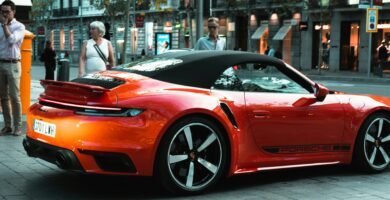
(382, 56)
(382, 53)
(271, 52)
(96, 53)
(11, 38)
(212, 41)
(49, 58)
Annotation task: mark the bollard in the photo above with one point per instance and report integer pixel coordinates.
(63, 70)
(25, 80)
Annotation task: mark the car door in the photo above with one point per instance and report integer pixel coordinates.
(278, 123)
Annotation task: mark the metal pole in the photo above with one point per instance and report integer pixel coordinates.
(199, 21)
(320, 40)
(81, 23)
(211, 8)
(369, 47)
(249, 44)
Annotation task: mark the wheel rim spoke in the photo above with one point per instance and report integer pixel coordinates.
(373, 155)
(384, 154)
(386, 139)
(177, 158)
(195, 155)
(208, 141)
(190, 176)
(380, 126)
(188, 134)
(370, 138)
(211, 167)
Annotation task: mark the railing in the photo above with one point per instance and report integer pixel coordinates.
(73, 11)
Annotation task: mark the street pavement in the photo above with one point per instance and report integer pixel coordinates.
(22, 177)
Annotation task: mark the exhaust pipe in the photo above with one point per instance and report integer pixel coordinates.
(29, 148)
(63, 160)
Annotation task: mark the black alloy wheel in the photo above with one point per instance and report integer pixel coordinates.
(193, 156)
(372, 149)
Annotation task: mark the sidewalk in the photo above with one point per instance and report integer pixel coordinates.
(348, 76)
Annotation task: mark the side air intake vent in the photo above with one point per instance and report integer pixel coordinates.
(229, 114)
(107, 83)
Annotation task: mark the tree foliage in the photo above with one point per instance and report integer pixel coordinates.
(112, 8)
(41, 11)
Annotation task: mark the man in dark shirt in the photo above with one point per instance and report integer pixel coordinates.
(382, 53)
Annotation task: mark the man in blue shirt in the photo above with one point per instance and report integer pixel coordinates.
(212, 41)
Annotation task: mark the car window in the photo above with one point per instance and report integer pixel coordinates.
(260, 77)
(257, 77)
(228, 80)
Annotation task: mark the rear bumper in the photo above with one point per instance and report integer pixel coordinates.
(67, 159)
(63, 158)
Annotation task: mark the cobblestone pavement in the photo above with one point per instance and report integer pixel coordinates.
(22, 177)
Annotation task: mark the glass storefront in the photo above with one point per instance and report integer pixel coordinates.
(321, 46)
(349, 39)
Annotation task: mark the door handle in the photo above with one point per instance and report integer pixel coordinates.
(261, 114)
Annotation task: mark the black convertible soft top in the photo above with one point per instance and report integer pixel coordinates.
(194, 68)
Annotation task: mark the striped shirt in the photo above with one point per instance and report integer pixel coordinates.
(10, 47)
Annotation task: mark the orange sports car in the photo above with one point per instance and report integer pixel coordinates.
(193, 118)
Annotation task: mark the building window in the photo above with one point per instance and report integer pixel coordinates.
(71, 40)
(52, 38)
(62, 39)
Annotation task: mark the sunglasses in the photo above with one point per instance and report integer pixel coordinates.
(212, 27)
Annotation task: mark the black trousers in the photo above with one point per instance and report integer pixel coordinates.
(49, 75)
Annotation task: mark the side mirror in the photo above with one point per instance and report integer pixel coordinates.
(320, 92)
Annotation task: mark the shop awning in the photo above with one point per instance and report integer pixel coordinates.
(259, 32)
(20, 2)
(282, 32)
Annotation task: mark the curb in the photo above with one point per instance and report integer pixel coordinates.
(349, 78)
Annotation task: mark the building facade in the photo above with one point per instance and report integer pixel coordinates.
(309, 36)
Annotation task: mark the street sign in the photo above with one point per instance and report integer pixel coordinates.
(372, 20)
(139, 21)
(364, 3)
(41, 30)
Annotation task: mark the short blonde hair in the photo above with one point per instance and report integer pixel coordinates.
(100, 26)
(213, 20)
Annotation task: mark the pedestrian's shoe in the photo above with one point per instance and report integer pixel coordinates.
(6, 130)
(18, 131)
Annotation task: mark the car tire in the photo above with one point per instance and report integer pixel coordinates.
(372, 147)
(192, 156)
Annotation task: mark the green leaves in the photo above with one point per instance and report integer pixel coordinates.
(41, 9)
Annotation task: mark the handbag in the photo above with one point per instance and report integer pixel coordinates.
(99, 51)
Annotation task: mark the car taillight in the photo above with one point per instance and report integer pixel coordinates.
(130, 112)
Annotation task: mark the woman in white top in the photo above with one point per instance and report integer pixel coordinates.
(89, 60)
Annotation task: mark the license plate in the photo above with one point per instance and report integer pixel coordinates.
(44, 128)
